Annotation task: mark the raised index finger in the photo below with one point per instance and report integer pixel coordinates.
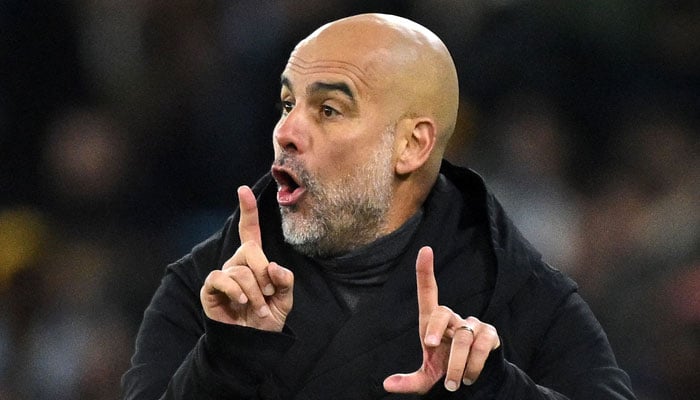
(248, 225)
(427, 286)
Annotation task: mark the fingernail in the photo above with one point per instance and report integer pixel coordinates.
(432, 340)
(263, 311)
(269, 290)
(467, 382)
(242, 298)
(451, 386)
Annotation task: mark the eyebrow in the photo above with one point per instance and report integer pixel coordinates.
(317, 87)
(342, 87)
(284, 81)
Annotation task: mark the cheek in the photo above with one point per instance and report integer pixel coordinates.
(331, 162)
(342, 152)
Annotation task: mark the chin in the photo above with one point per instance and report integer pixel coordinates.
(299, 232)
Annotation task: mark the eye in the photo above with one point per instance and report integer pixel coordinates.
(286, 106)
(329, 111)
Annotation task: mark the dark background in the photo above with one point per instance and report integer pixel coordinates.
(126, 127)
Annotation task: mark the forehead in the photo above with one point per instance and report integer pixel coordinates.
(361, 71)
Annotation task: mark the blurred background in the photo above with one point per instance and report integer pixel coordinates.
(126, 127)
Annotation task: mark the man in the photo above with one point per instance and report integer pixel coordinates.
(363, 256)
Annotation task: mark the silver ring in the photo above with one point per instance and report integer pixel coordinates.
(466, 328)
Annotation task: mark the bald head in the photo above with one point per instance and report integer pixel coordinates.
(369, 103)
(399, 62)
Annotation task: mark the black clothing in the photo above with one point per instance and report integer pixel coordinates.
(552, 345)
(360, 273)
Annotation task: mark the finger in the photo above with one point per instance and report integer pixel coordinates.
(218, 283)
(416, 382)
(437, 325)
(485, 340)
(459, 354)
(427, 286)
(244, 277)
(283, 280)
(250, 254)
(248, 224)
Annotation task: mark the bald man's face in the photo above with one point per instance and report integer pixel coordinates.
(333, 150)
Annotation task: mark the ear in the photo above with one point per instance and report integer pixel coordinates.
(416, 146)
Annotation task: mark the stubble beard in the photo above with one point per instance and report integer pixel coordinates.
(343, 215)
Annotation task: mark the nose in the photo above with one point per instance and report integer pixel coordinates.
(289, 133)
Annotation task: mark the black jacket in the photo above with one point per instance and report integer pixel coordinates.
(552, 345)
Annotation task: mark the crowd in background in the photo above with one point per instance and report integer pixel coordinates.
(126, 127)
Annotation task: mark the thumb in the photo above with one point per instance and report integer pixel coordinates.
(415, 382)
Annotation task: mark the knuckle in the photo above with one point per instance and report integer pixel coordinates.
(473, 320)
(444, 310)
(491, 332)
(213, 275)
(229, 262)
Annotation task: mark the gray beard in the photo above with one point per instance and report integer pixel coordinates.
(343, 215)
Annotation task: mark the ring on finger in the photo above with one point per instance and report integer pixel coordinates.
(466, 328)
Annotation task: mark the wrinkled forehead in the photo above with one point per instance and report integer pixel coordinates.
(364, 67)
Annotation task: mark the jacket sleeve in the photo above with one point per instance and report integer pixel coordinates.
(573, 360)
(181, 354)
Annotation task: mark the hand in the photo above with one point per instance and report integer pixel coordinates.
(449, 349)
(249, 290)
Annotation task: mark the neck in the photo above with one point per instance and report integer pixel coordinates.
(410, 192)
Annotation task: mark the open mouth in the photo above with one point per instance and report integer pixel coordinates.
(289, 190)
